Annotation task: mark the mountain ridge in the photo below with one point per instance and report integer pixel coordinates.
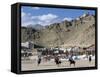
(66, 33)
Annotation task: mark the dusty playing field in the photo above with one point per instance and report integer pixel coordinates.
(32, 65)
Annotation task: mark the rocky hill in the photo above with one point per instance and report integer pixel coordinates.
(78, 32)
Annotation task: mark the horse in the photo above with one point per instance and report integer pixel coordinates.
(57, 61)
(72, 61)
(90, 59)
(39, 61)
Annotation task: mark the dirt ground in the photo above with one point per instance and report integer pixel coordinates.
(32, 65)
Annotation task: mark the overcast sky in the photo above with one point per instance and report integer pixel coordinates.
(45, 16)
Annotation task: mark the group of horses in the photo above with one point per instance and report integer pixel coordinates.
(56, 58)
(58, 62)
(71, 61)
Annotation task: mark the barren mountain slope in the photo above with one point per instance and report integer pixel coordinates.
(75, 33)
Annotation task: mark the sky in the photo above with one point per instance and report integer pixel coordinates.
(46, 16)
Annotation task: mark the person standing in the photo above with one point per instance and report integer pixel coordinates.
(90, 58)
